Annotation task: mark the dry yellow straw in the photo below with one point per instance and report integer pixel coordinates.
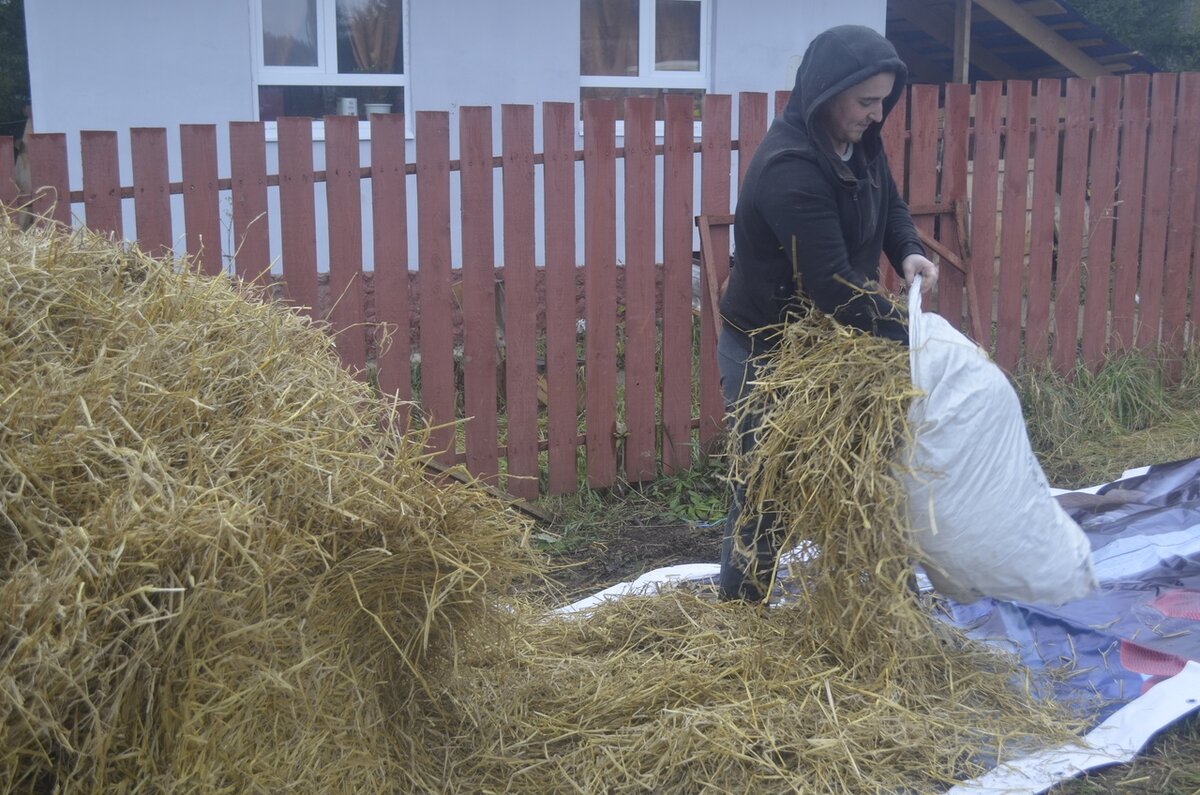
(850, 687)
(219, 571)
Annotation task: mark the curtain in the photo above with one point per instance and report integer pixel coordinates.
(608, 37)
(375, 34)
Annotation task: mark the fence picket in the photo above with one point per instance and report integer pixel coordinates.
(248, 180)
(984, 187)
(1041, 225)
(1154, 216)
(520, 302)
(752, 126)
(1130, 198)
(562, 401)
(49, 182)
(389, 234)
(343, 202)
(434, 275)
(201, 208)
(1182, 215)
(922, 163)
(151, 190)
(677, 286)
(101, 182)
(1012, 224)
(641, 327)
(894, 149)
(1067, 277)
(298, 212)
(8, 178)
(781, 100)
(600, 307)
(1100, 215)
(714, 200)
(479, 290)
(955, 131)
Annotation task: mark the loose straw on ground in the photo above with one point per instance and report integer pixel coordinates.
(848, 687)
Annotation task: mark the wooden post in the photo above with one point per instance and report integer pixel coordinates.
(961, 66)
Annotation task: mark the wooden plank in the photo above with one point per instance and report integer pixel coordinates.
(151, 190)
(520, 301)
(433, 279)
(1181, 224)
(8, 178)
(781, 101)
(715, 163)
(641, 314)
(1130, 199)
(49, 182)
(479, 291)
(101, 182)
(1041, 224)
(1074, 181)
(677, 286)
(248, 184)
(894, 148)
(1154, 218)
(1012, 224)
(343, 202)
(752, 126)
(201, 209)
(984, 190)
(558, 174)
(600, 306)
(1102, 204)
(922, 163)
(955, 130)
(298, 213)
(389, 235)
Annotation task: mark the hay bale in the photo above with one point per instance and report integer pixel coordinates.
(219, 570)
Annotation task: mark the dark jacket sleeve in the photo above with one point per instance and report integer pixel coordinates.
(800, 206)
(899, 235)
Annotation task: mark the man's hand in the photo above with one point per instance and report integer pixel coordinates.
(916, 264)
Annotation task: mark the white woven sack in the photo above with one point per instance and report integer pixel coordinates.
(978, 502)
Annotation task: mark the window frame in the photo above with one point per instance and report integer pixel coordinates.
(657, 78)
(325, 72)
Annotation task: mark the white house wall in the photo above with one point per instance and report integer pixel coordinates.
(161, 63)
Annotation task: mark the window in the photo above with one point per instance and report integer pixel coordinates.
(324, 57)
(631, 48)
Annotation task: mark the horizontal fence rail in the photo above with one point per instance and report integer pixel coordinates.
(1063, 213)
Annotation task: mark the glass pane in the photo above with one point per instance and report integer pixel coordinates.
(289, 32)
(677, 35)
(608, 37)
(619, 94)
(318, 101)
(369, 36)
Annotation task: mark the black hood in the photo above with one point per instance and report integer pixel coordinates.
(837, 59)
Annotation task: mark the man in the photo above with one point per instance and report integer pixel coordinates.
(816, 209)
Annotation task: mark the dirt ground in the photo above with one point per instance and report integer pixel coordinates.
(623, 554)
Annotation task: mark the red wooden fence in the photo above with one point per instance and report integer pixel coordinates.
(1072, 204)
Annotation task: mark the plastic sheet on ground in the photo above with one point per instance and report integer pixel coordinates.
(1134, 642)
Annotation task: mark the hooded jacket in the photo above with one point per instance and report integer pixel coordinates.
(807, 222)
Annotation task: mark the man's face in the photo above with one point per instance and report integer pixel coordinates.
(857, 108)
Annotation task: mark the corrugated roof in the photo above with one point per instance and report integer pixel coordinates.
(923, 32)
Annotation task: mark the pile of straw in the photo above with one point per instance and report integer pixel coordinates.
(848, 687)
(219, 572)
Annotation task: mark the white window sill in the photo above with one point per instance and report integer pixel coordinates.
(271, 131)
